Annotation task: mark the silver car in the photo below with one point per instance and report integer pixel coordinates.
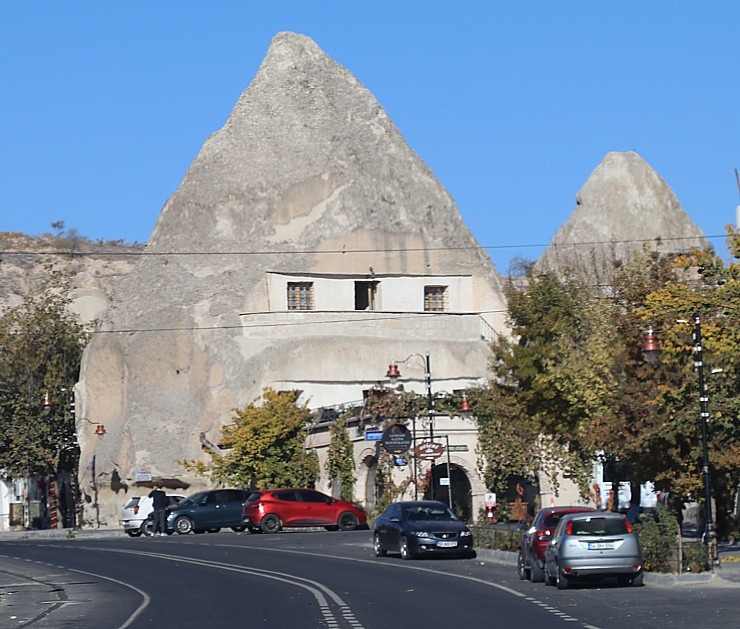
(597, 545)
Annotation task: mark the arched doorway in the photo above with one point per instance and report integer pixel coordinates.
(371, 491)
(459, 487)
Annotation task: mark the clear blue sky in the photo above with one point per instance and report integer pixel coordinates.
(104, 105)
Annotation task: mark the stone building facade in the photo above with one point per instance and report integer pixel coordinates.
(306, 248)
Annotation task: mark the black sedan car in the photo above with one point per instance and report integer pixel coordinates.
(421, 527)
(208, 511)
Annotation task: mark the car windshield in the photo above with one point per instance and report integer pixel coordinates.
(194, 499)
(420, 513)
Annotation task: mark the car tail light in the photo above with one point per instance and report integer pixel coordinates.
(569, 528)
(628, 525)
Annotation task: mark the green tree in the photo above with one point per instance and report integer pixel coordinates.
(551, 382)
(41, 344)
(340, 460)
(708, 287)
(572, 383)
(264, 446)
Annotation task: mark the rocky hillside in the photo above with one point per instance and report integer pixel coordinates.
(97, 268)
(624, 205)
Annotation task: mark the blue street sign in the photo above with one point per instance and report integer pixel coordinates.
(373, 435)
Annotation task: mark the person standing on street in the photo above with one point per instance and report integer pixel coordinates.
(159, 505)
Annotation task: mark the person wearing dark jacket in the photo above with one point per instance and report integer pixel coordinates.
(159, 506)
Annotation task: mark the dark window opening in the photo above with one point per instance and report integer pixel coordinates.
(365, 295)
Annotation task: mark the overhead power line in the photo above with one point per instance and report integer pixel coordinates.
(353, 320)
(145, 253)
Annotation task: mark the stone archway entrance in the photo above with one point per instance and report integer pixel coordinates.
(459, 487)
(371, 491)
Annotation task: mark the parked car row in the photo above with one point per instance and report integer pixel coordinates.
(238, 509)
(575, 544)
(564, 545)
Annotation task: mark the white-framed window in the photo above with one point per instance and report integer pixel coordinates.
(435, 298)
(300, 296)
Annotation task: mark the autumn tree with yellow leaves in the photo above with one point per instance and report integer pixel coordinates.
(571, 384)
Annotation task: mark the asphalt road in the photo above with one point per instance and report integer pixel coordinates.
(316, 579)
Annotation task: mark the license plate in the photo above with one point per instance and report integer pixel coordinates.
(446, 544)
(601, 546)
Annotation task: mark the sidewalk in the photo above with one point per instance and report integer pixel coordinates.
(71, 534)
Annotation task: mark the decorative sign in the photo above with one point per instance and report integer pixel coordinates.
(444, 481)
(429, 450)
(373, 435)
(142, 474)
(396, 439)
(458, 448)
(490, 500)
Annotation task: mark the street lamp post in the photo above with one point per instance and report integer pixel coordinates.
(393, 375)
(651, 350)
(465, 408)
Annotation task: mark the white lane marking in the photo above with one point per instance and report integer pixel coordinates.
(314, 587)
(144, 595)
(417, 568)
(62, 603)
(360, 560)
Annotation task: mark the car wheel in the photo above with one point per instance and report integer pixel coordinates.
(548, 579)
(638, 580)
(332, 528)
(536, 573)
(378, 547)
(134, 532)
(270, 523)
(523, 572)
(183, 525)
(561, 581)
(255, 529)
(347, 521)
(215, 529)
(406, 552)
(238, 529)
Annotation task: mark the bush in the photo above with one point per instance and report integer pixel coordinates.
(657, 532)
(492, 538)
(695, 557)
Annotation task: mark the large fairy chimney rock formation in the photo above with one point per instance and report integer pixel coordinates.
(623, 205)
(308, 175)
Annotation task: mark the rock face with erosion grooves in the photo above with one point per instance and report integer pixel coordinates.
(623, 205)
(307, 176)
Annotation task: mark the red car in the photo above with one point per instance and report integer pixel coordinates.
(271, 510)
(532, 546)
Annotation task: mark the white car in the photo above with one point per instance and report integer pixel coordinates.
(137, 510)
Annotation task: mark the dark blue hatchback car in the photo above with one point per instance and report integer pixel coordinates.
(208, 511)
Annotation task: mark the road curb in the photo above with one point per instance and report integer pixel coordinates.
(58, 534)
(653, 578)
